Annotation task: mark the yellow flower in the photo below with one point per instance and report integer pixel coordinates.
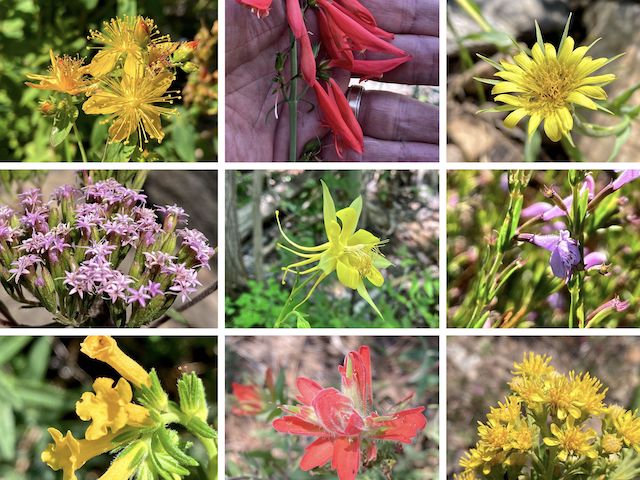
(547, 85)
(589, 393)
(127, 38)
(561, 396)
(352, 254)
(66, 75)
(69, 454)
(495, 435)
(131, 104)
(611, 443)
(531, 390)
(126, 464)
(110, 408)
(627, 425)
(533, 365)
(466, 475)
(506, 412)
(106, 350)
(572, 440)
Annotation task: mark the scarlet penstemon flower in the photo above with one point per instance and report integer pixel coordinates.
(546, 85)
(345, 422)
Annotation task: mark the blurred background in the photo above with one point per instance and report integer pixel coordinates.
(195, 191)
(29, 28)
(478, 369)
(473, 137)
(400, 365)
(532, 296)
(401, 206)
(42, 379)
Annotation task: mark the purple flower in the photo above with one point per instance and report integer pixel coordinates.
(115, 285)
(565, 253)
(156, 259)
(78, 281)
(100, 249)
(594, 260)
(23, 265)
(9, 234)
(185, 280)
(154, 289)
(625, 177)
(65, 192)
(197, 242)
(30, 199)
(36, 219)
(174, 210)
(6, 213)
(141, 296)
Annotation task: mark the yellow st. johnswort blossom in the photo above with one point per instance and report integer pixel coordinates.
(127, 39)
(547, 84)
(66, 75)
(69, 454)
(106, 350)
(131, 104)
(125, 464)
(110, 408)
(353, 254)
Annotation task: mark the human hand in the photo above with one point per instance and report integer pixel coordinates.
(395, 126)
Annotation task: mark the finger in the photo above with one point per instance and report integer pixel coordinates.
(376, 150)
(422, 69)
(391, 116)
(420, 17)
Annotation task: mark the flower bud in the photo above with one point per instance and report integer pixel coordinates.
(141, 32)
(190, 67)
(48, 108)
(185, 51)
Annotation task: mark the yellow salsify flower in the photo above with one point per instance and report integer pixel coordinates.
(127, 38)
(110, 408)
(69, 454)
(547, 84)
(131, 104)
(353, 255)
(572, 440)
(66, 75)
(126, 464)
(106, 350)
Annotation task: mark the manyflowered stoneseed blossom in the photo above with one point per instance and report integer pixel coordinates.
(553, 425)
(67, 252)
(547, 85)
(137, 430)
(353, 254)
(346, 29)
(344, 421)
(128, 80)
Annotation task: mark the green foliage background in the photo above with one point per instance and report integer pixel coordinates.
(29, 28)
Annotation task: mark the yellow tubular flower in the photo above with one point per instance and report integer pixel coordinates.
(69, 454)
(353, 255)
(110, 408)
(131, 104)
(127, 38)
(106, 350)
(126, 464)
(547, 85)
(572, 440)
(66, 75)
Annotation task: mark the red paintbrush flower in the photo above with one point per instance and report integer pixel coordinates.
(252, 400)
(339, 117)
(345, 422)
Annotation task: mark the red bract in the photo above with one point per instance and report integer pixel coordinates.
(339, 117)
(259, 7)
(345, 422)
(248, 398)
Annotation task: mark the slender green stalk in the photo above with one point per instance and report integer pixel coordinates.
(287, 307)
(293, 102)
(211, 447)
(576, 285)
(79, 141)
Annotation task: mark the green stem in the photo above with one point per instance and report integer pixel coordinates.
(286, 308)
(79, 140)
(293, 102)
(211, 447)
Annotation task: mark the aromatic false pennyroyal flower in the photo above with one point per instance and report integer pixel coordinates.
(345, 421)
(547, 84)
(353, 255)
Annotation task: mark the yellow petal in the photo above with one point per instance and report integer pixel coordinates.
(566, 50)
(538, 54)
(122, 128)
(554, 132)
(599, 79)
(566, 119)
(508, 87)
(582, 100)
(152, 125)
(534, 123)
(103, 63)
(349, 218)
(550, 51)
(328, 207)
(511, 77)
(363, 237)
(509, 100)
(514, 117)
(375, 277)
(523, 60)
(102, 103)
(348, 275)
(594, 92)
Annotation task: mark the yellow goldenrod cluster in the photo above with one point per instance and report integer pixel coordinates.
(546, 429)
(128, 79)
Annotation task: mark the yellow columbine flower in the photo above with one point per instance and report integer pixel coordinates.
(125, 465)
(572, 440)
(66, 75)
(546, 85)
(127, 38)
(106, 350)
(131, 103)
(352, 254)
(69, 454)
(110, 408)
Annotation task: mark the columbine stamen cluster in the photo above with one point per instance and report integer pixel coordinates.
(69, 254)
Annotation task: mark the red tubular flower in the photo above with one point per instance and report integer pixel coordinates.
(249, 400)
(259, 7)
(299, 29)
(367, 69)
(344, 422)
(339, 118)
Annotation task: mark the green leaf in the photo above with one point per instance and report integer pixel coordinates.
(532, 147)
(8, 429)
(12, 28)
(119, 152)
(10, 346)
(493, 63)
(39, 355)
(565, 33)
(62, 125)
(499, 39)
(621, 139)
(169, 440)
(184, 137)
